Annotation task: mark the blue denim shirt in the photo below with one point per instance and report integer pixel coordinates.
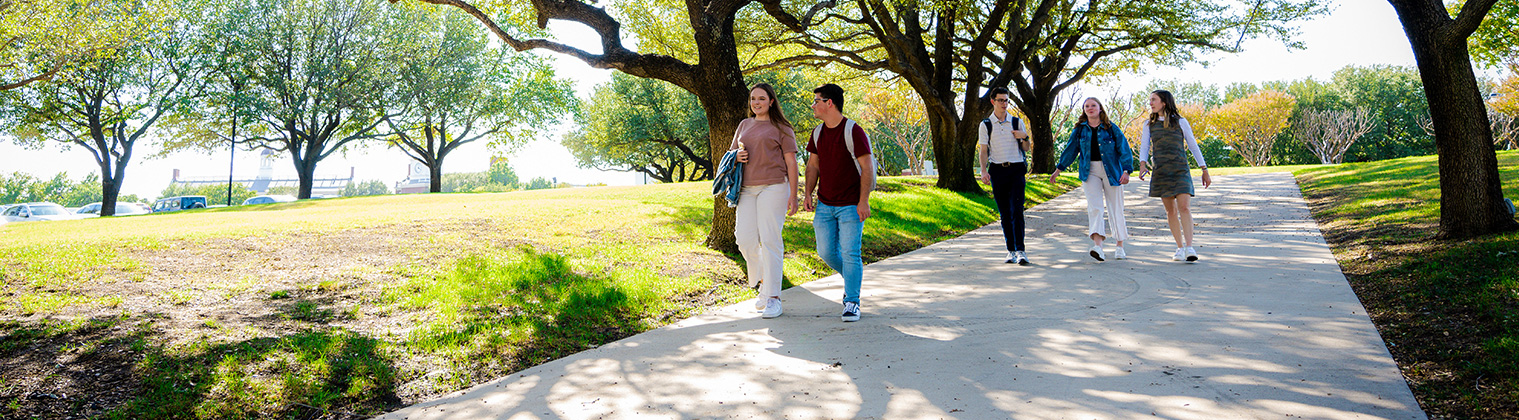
(1109, 137)
(730, 178)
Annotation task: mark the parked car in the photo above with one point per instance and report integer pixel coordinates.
(122, 209)
(187, 202)
(39, 211)
(266, 199)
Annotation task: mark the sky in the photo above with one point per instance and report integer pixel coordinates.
(1357, 32)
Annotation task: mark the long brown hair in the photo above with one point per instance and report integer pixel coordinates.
(1102, 113)
(777, 117)
(1169, 108)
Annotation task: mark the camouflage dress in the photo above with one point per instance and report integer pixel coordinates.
(1172, 174)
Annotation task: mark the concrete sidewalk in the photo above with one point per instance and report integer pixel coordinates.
(1263, 327)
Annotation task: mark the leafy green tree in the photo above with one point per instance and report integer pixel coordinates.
(371, 187)
(219, 48)
(1496, 42)
(1471, 193)
(19, 187)
(43, 37)
(642, 125)
(898, 128)
(107, 104)
(1395, 97)
(539, 183)
(453, 89)
(465, 181)
(1251, 125)
(501, 173)
(1312, 96)
(317, 67)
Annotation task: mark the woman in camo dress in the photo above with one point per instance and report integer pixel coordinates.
(1170, 137)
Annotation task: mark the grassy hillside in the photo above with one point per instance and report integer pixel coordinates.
(1448, 310)
(332, 308)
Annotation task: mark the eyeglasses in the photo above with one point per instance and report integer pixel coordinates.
(1002, 100)
(819, 100)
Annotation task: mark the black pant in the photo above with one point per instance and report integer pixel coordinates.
(1008, 189)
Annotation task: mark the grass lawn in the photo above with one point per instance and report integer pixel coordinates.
(352, 307)
(1448, 310)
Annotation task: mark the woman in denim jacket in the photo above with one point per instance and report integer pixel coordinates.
(1104, 166)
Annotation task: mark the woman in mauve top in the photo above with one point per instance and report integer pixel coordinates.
(767, 147)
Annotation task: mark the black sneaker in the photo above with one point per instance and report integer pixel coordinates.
(851, 312)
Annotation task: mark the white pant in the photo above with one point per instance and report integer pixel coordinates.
(757, 229)
(1098, 189)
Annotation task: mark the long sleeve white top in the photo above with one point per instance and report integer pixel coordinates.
(1186, 132)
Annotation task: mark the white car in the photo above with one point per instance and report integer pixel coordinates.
(122, 209)
(266, 199)
(39, 211)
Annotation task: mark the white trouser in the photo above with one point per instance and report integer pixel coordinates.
(757, 229)
(1098, 189)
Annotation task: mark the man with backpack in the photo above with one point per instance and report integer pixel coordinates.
(841, 169)
(1003, 143)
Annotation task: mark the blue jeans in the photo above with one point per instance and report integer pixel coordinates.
(838, 232)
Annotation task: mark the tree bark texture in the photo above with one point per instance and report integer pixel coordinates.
(1471, 195)
(1043, 155)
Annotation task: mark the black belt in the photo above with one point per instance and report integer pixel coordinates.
(1006, 164)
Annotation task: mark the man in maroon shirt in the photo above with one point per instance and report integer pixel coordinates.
(843, 181)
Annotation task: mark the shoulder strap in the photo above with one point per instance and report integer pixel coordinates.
(988, 124)
(849, 139)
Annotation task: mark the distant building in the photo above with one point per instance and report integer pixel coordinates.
(265, 179)
(418, 180)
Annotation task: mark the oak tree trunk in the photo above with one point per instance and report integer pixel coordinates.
(1471, 195)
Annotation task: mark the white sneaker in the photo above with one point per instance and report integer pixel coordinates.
(1022, 257)
(1191, 254)
(1096, 253)
(851, 312)
(759, 303)
(1180, 253)
(1011, 258)
(772, 308)
(1119, 254)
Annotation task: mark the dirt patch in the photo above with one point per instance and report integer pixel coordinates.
(235, 291)
(79, 374)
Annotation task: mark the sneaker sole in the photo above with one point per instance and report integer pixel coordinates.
(768, 316)
(1095, 256)
(851, 318)
(1192, 258)
(1024, 262)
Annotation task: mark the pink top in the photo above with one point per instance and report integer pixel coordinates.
(767, 143)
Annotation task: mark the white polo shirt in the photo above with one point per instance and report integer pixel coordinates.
(1002, 146)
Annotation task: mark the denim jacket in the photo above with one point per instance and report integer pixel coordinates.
(730, 178)
(1109, 138)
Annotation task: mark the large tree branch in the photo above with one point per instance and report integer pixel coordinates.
(1472, 14)
(614, 55)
